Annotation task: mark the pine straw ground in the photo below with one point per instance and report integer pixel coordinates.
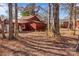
(38, 44)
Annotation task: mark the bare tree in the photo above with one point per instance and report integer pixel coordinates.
(16, 21)
(74, 18)
(56, 19)
(33, 8)
(2, 29)
(70, 21)
(11, 27)
(49, 18)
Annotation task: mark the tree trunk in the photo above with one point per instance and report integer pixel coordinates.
(11, 27)
(3, 33)
(49, 18)
(56, 19)
(74, 19)
(16, 21)
(70, 21)
(2, 29)
(33, 9)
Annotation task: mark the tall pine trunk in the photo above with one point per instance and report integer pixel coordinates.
(71, 14)
(49, 18)
(56, 19)
(2, 29)
(3, 33)
(74, 19)
(72, 23)
(16, 21)
(11, 27)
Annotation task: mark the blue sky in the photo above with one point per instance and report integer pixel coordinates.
(4, 7)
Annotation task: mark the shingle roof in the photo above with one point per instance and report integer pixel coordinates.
(30, 18)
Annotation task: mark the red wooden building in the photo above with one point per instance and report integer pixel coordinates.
(65, 24)
(31, 23)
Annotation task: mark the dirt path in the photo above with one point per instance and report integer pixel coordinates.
(38, 44)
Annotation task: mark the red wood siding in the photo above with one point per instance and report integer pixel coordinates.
(65, 24)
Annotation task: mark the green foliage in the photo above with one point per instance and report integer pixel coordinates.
(25, 13)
